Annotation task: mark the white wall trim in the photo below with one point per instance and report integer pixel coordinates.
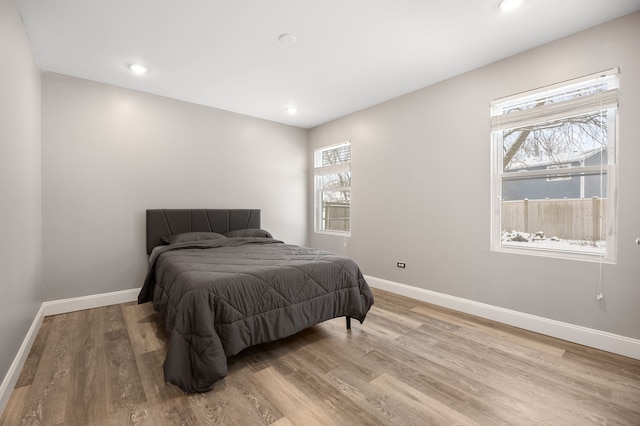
(605, 341)
(63, 306)
(11, 378)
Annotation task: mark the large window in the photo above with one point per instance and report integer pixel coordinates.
(554, 169)
(332, 166)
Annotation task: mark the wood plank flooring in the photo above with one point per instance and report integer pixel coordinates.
(410, 363)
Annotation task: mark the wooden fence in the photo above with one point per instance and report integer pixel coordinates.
(336, 216)
(571, 219)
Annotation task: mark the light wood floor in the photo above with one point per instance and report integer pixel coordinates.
(409, 363)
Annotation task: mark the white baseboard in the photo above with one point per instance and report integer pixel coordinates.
(63, 306)
(56, 307)
(11, 378)
(609, 342)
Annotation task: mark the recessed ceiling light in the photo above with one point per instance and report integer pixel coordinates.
(292, 110)
(287, 38)
(138, 69)
(506, 5)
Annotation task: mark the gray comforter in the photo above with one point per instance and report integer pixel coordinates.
(219, 297)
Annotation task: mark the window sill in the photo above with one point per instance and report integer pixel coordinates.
(335, 233)
(554, 254)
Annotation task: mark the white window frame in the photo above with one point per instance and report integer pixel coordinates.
(499, 122)
(551, 178)
(320, 171)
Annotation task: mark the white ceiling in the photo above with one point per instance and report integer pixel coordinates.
(349, 54)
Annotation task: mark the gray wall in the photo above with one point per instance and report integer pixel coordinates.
(110, 153)
(421, 188)
(20, 188)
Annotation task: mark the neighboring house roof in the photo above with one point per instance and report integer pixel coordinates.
(550, 160)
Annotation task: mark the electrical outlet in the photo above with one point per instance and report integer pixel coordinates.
(401, 265)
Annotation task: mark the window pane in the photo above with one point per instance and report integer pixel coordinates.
(569, 142)
(338, 155)
(566, 214)
(334, 180)
(336, 210)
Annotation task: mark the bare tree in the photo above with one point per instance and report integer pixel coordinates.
(578, 134)
(341, 179)
(552, 139)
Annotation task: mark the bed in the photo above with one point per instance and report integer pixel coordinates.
(223, 284)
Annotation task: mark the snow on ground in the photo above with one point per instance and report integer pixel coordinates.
(540, 241)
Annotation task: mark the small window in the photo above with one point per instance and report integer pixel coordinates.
(332, 167)
(554, 168)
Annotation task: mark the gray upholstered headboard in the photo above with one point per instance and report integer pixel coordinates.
(164, 222)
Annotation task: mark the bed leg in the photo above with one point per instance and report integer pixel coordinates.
(348, 322)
